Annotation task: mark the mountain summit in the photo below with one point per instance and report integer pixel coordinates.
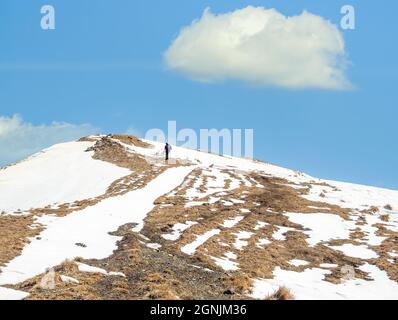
(106, 217)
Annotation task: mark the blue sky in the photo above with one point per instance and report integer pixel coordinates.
(103, 66)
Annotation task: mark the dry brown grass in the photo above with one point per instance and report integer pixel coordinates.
(164, 274)
(239, 283)
(385, 217)
(384, 262)
(150, 274)
(130, 140)
(371, 210)
(275, 198)
(106, 149)
(388, 207)
(15, 232)
(357, 234)
(157, 287)
(85, 290)
(87, 139)
(282, 294)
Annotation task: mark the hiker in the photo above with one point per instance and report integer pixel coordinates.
(167, 149)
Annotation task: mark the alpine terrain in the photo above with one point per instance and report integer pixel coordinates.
(106, 217)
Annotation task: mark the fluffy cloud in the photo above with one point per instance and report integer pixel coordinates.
(263, 47)
(19, 139)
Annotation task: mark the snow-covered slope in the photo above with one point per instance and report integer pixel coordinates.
(61, 174)
(241, 218)
(90, 226)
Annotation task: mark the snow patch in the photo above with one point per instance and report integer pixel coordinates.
(241, 238)
(359, 251)
(64, 173)
(90, 226)
(11, 294)
(323, 226)
(69, 279)
(298, 263)
(230, 223)
(311, 284)
(225, 263)
(191, 247)
(178, 229)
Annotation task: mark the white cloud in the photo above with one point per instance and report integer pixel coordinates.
(263, 47)
(19, 139)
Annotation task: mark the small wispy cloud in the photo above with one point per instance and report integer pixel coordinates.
(19, 139)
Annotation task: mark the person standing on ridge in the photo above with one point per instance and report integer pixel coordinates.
(167, 149)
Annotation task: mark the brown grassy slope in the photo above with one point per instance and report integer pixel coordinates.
(150, 274)
(14, 234)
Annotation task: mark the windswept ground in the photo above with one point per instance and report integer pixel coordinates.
(114, 221)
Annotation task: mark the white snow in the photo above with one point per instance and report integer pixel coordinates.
(69, 279)
(192, 204)
(280, 233)
(359, 251)
(393, 254)
(329, 265)
(327, 226)
(311, 284)
(178, 229)
(236, 201)
(243, 179)
(353, 196)
(323, 226)
(86, 268)
(241, 238)
(298, 263)
(231, 255)
(260, 225)
(155, 246)
(11, 294)
(63, 173)
(207, 159)
(216, 180)
(226, 264)
(371, 238)
(191, 247)
(90, 226)
(262, 243)
(116, 274)
(227, 203)
(230, 223)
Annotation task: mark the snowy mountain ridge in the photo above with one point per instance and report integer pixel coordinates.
(111, 220)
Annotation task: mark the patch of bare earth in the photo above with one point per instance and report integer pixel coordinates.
(282, 294)
(15, 231)
(262, 205)
(130, 140)
(385, 261)
(149, 274)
